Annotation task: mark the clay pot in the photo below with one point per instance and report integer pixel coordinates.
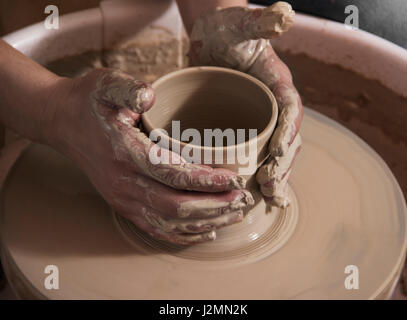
(201, 99)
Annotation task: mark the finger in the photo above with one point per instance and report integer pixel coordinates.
(276, 75)
(177, 203)
(192, 225)
(118, 89)
(226, 202)
(289, 119)
(275, 168)
(273, 175)
(190, 239)
(268, 22)
(174, 171)
(169, 226)
(179, 239)
(279, 197)
(224, 38)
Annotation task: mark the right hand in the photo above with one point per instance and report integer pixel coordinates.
(94, 124)
(238, 38)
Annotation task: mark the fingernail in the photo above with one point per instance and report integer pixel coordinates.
(145, 98)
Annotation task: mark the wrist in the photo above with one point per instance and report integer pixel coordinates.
(56, 112)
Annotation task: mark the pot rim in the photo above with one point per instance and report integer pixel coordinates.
(268, 130)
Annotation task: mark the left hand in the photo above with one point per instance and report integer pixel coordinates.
(238, 38)
(95, 124)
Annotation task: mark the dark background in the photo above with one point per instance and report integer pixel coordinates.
(385, 18)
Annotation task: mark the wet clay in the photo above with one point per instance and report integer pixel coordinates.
(365, 106)
(64, 222)
(238, 38)
(235, 37)
(372, 111)
(148, 58)
(205, 98)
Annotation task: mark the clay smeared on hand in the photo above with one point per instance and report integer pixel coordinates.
(234, 37)
(238, 38)
(155, 196)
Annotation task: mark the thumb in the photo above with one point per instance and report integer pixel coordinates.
(120, 90)
(269, 22)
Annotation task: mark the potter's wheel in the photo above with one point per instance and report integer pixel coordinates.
(348, 210)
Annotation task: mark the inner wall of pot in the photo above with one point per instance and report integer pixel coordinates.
(210, 100)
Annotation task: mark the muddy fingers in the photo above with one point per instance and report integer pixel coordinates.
(178, 203)
(179, 239)
(192, 225)
(273, 175)
(116, 88)
(268, 22)
(181, 231)
(176, 173)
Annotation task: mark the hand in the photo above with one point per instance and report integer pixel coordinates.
(95, 126)
(237, 38)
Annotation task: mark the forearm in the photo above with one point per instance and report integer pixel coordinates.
(191, 9)
(25, 92)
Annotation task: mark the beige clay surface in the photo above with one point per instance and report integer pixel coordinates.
(350, 212)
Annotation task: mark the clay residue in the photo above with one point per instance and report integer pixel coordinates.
(274, 174)
(235, 37)
(187, 207)
(209, 207)
(148, 57)
(273, 22)
(368, 108)
(145, 58)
